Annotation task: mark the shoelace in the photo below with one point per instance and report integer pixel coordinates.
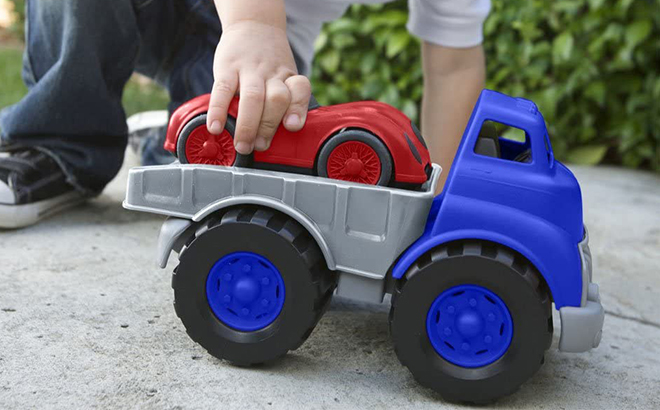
(23, 162)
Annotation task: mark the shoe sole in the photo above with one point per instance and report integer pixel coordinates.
(20, 216)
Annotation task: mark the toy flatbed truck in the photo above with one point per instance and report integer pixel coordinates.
(473, 272)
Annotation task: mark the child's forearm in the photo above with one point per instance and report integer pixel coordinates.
(254, 59)
(453, 79)
(270, 12)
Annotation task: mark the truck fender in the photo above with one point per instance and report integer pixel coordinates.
(301, 218)
(167, 238)
(563, 295)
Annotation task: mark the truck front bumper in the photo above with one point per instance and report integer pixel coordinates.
(581, 327)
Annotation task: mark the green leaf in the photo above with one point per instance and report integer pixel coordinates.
(369, 62)
(638, 32)
(342, 25)
(396, 43)
(372, 88)
(320, 42)
(330, 61)
(587, 155)
(656, 88)
(391, 95)
(624, 4)
(562, 47)
(390, 18)
(342, 40)
(410, 109)
(514, 134)
(596, 91)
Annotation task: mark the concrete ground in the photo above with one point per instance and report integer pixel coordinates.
(86, 320)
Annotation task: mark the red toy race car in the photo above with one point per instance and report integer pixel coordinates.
(367, 142)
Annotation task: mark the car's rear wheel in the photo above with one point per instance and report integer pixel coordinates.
(356, 156)
(196, 145)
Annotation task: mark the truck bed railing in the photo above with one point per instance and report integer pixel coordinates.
(361, 229)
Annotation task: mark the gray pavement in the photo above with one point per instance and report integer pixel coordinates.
(86, 321)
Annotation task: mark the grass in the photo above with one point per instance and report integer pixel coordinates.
(143, 96)
(11, 85)
(139, 95)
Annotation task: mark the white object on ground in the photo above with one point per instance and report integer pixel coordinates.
(146, 120)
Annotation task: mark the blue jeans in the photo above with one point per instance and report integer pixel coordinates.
(79, 56)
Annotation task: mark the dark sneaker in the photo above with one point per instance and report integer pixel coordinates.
(32, 187)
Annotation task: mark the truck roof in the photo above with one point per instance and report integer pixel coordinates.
(516, 112)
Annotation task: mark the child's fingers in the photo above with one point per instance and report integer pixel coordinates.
(277, 101)
(224, 89)
(250, 108)
(301, 90)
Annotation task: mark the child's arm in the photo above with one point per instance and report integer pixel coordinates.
(454, 69)
(254, 58)
(453, 79)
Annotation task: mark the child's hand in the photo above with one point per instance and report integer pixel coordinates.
(255, 60)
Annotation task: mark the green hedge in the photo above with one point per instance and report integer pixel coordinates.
(590, 65)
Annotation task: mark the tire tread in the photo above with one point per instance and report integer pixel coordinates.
(323, 279)
(488, 250)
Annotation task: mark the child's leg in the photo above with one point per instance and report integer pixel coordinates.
(79, 55)
(66, 137)
(178, 38)
(189, 70)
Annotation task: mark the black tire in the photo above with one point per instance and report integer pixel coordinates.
(200, 121)
(503, 272)
(287, 245)
(374, 142)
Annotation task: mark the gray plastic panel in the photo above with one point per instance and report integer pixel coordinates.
(582, 327)
(587, 267)
(170, 231)
(360, 288)
(361, 229)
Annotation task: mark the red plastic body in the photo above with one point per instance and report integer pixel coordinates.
(300, 149)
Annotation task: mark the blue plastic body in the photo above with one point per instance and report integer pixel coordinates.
(534, 208)
(469, 326)
(245, 291)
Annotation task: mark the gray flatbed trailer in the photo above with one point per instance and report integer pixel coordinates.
(360, 229)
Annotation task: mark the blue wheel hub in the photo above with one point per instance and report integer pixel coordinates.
(245, 291)
(469, 326)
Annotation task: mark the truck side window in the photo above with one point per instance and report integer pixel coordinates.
(498, 140)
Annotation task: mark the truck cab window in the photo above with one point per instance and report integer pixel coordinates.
(498, 140)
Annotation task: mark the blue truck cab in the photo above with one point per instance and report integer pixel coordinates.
(516, 194)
